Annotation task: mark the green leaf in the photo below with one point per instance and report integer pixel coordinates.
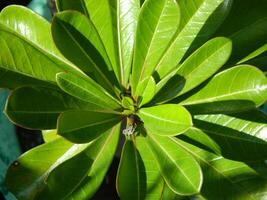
(200, 139)
(12, 80)
(226, 179)
(128, 11)
(84, 126)
(25, 177)
(77, 39)
(102, 156)
(167, 119)
(252, 122)
(179, 169)
(197, 68)
(154, 181)
(130, 182)
(246, 27)
(211, 25)
(239, 137)
(86, 89)
(50, 135)
(67, 175)
(103, 14)
(128, 103)
(239, 88)
(200, 11)
(235, 145)
(157, 24)
(39, 107)
(254, 54)
(149, 92)
(30, 50)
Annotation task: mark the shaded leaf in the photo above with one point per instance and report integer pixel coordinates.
(78, 40)
(102, 155)
(86, 89)
(130, 183)
(39, 107)
(168, 119)
(235, 145)
(12, 80)
(246, 27)
(226, 179)
(85, 126)
(25, 177)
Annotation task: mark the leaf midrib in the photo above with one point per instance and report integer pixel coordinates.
(38, 48)
(90, 125)
(207, 163)
(218, 98)
(188, 179)
(86, 55)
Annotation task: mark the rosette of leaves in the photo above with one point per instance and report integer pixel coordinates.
(182, 97)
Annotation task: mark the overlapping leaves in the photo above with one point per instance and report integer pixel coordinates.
(126, 63)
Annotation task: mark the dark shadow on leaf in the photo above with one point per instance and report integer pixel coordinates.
(236, 186)
(234, 144)
(194, 142)
(210, 27)
(78, 57)
(221, 107)
(251, 115)
(170, 89)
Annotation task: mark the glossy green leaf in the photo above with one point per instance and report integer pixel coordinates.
(25, 177)
(50, 135)
(103, 14)
(39, 107)
(154, 181)
(102, 156)
(158, 22)
(179, 169)
(149, 92)
(30, 50)
(201, 11)
(130, 182)
(86, 89)
(128, 11)
(239, 88)
(226, 179)
(211, 25)
(84, 126)
(167, 119)
(77, 39)
(197, 68)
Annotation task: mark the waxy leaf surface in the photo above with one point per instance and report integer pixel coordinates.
(167, 119)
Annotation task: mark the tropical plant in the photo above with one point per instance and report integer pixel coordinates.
(171, 79)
